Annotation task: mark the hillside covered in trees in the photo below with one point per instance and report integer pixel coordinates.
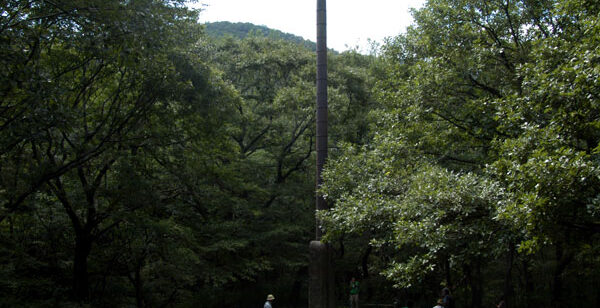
(241, 30)
(148, 160)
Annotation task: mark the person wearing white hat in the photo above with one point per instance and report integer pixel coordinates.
(270, 299)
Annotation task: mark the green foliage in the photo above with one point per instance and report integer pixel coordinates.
(241, 30)
(485, 143)
(270, 179)
(147, 163)
(100, 93)
(554, 122)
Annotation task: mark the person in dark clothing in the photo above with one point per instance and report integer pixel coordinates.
(447, 300)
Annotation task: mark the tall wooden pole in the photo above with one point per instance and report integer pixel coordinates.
(321, 282)
(321, 104)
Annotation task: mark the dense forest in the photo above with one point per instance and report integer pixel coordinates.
(146, 163)
(241, 30)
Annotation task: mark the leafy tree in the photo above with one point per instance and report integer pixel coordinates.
(486, 142)
(146, 164)
(88, 81)
(551, 163)
(75, 63)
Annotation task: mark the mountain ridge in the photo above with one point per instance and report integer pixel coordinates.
(241, 30)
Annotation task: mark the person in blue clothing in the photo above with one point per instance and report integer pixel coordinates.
(270, 299)
(447, 300)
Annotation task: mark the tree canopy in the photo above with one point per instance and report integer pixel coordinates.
(485, 152)
(147, 161)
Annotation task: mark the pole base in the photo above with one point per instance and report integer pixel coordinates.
(320, 271)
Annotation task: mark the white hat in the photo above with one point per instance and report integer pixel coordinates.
(270, 297)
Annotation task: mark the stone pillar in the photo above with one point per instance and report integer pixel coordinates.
(321, 284)
(321, 278)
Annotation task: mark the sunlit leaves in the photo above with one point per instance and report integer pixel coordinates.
(551, 165)
(487, 137)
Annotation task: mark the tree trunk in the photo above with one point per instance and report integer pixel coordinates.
(478, 299)
(508, 286)
(447, 271)
(562, 261)
(528, 284)
(297, 286)
(81, 286)
(474, 278)
(139, 294)
(364, 261)
(597, 296)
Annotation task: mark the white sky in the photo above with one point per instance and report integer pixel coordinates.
(349, 22)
